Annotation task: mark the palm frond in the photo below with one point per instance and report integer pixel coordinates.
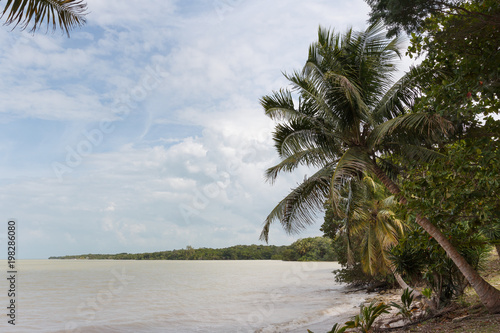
(353, 163)
(345, 94)
(373, 57)
(418, 153)
(367, 210)
(312, 90)
(65, 14)
(311, 157)
(369, 250)
(298, 135)
(292, 138)
(390, 168)
(350, 166)
(400, 97)
(426, 126)
(390, 201)
(323, 54)
(279, 105)
(298, 209)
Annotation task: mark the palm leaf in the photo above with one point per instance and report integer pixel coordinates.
(298, 209)
(313, 157)
(366, 208)
(301, 134)
(400, 97)
(418, 153)
(353, 163)
(65, 14)
(279, 105)
(426, 126)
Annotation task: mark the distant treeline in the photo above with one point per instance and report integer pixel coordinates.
(307, 249)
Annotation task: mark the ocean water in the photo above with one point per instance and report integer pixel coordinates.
(177, 296)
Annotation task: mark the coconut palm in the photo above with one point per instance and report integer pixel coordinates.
(366, 208)
(345, 116)
(367, 212)
(65, 14)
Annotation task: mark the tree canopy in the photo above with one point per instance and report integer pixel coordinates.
(306, 249)
(410, 15)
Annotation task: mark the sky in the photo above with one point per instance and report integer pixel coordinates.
(143, 131)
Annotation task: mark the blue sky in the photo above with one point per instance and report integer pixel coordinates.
(143, 131)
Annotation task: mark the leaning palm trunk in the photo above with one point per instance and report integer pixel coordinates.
(431, 304)
(402, 282)
(489, 295)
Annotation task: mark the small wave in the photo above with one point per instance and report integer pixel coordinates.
(321, 320)
(297, 324)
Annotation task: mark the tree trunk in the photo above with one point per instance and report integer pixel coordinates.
(489, 295)
(403, 284)
(430, 303)
(497, 246)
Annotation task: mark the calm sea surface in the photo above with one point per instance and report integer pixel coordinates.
(176, 296)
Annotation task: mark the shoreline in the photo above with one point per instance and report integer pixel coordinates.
(386, 296)
(467, 314)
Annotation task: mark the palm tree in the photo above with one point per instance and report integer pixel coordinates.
(347, 115)
(367, 212)
(65, 14)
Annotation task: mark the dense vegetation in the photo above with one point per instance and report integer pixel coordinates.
(306, 249)
(408, 170)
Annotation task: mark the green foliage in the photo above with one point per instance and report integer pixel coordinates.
(405, 309)
(363, 225)
(420, 259)
(427, 293)
(367, 316)
(460, 194)
(355, 276)
(492, 233)
(310, 249)
(461, 49)
(337, 329)
(333, 224)
(461, 191)
(239, 252)
(407, 15)
(415, 16)
(408, 258)
(352, 273)
(307, 249)
(364, 320)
